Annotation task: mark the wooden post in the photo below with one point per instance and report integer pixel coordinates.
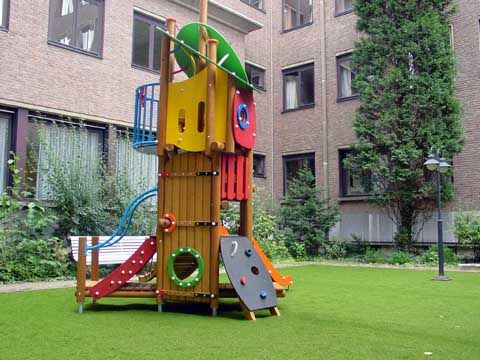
(165, 76)
(230, 143)
(203, 35)
(171, 27)
(246, 206)
(211, 96)
(216, 201)
(81, 273)
(95, 267)
(249, 315)
(160, 234)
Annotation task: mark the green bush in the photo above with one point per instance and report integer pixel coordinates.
(373, 256)
(399, 257)
(27, 250)
(430, 256)
(336, 248)
(467, 230)
(358, 246)
(306, 217)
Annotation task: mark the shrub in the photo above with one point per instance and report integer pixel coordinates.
(358, 245)
(336, 248)
(373, 256)
(467, 230)
(306, 217)
(399, 257)
(27, 250)
(430, 256)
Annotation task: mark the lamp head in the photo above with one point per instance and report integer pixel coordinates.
(431, 163)
(443, 166)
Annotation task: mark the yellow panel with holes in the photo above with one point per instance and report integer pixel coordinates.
(186, 116)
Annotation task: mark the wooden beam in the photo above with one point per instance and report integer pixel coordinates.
(249, 315)
(246, 206)
(95, 267)
(230, 143)
(211, 145)
(274, 311)
(203, 35)
(165, 77)
(81, 270)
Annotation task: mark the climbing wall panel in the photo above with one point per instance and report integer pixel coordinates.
(235, 179)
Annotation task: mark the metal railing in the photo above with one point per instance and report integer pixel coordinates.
(146, 112)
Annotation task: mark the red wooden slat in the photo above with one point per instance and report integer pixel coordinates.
(247, 178)
(126, 271)
(240, 177)
(224, 176)
(231, 177)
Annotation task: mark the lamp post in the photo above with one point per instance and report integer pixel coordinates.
(440, 166)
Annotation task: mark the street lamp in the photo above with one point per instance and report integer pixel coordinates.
(440, 166)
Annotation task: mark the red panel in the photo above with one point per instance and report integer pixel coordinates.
(240, 177)
(247, 178)
(245, 137)
(117, 278)
(231, 177)
(224, 176)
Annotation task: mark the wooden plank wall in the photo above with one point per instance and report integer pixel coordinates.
(188, 198)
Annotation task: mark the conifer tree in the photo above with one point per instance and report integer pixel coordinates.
(404, 69)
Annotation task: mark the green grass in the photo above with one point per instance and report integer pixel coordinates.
(330, 313)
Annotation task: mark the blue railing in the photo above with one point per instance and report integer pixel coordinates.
(146, 112)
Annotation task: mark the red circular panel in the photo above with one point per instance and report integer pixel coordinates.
(245, 137)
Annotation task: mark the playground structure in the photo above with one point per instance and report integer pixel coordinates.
(202, 129)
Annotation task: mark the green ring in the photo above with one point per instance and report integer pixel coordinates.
(171, 271)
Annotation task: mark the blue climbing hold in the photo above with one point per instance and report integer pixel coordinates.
(248, 252)
(242, 116)
(263, 295)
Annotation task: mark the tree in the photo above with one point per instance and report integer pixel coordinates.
(405, 76)
(306, 217)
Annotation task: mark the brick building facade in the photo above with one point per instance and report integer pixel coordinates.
(298, 50)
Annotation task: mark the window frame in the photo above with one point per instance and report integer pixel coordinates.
(7, 17)
(11, 142)
(344, 12)
(339, 59)
(263, 157)
(153, 23)
(298, 17)
(248, 2)
(255, 67)
(296, 157)
(286, 72)
(101, 27)
(343, 176)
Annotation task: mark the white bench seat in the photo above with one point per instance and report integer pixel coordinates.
(115, 254)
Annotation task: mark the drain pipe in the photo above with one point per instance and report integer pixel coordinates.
(324, 116)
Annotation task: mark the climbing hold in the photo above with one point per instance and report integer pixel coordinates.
(243, 280)
(243, 116)
(248, 252)
(263, 294)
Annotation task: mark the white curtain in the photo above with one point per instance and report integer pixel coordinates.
(88, 35)
(67, 7)
(346, 79)
(72, 147)
(140, 168)
(66, 40)
(1, 12)
(4, 147)
(291, 92)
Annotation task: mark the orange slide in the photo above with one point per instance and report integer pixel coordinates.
(274, 274)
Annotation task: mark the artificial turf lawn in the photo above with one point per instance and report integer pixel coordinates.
(330, 313)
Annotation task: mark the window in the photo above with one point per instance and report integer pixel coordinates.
(77, 24)
(259, 165)
(255, 3)
(293, 163)
(139, 168)
(256, 75)
(350, 185)
(146, 42)
(297, 13)
(5, 126)
(298, 87)
(343, 7)
(4, 14)
(345, 76)
(76, 147)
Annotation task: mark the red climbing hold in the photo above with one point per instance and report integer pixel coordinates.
(243, 280)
